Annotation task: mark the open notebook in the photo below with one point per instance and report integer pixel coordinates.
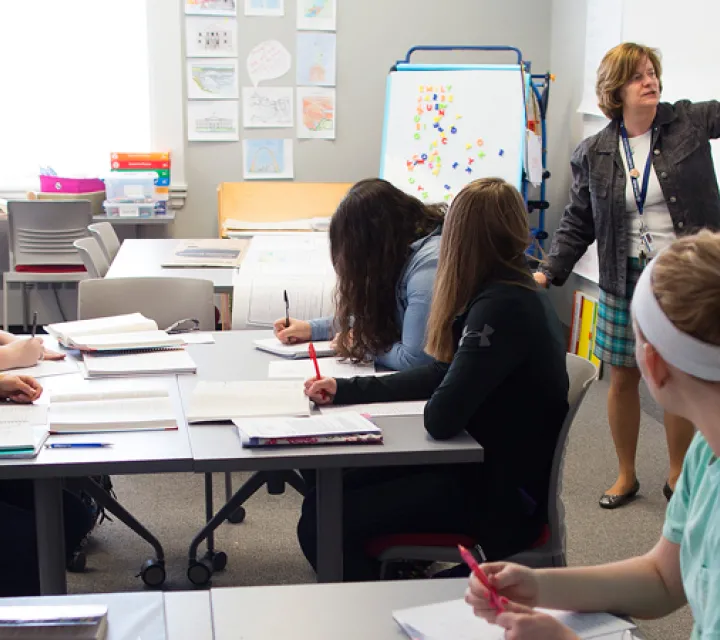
(113, 333)
(140, 363)
(96, 411)
(23, 430)
(454, 620)
(343, 428)
(294, 351)
(222, 401)
(329, 367)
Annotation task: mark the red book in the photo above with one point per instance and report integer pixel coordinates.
(140, 164)
(154, 156)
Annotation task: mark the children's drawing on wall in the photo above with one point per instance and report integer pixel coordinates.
(267, 61)
(316, 113)
(316, 59)
(316, 15)
(213, 121)
(267, 107)
(207, 37)
(212, 79)
(210, 7)
(267, 159)
(270, 8)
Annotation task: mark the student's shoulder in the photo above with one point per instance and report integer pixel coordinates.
(426, 254)
(504, 299)
(699, 456)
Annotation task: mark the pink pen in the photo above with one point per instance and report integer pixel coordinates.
(493, 597)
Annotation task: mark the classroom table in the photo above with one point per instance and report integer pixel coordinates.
(139, 258)
(188, 616)
(131, 616)
(131, 453)
(217, 447)
(352, 611)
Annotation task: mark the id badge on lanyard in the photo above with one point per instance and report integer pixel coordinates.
(647, 245)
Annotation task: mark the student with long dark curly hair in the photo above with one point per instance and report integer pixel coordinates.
(384, 246)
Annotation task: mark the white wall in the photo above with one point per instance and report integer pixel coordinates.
(371, 36)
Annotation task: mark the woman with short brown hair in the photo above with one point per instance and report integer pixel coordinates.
(643, 180)
(499, 375)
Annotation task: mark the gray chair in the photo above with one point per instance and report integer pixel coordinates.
(549, 551)
(108, 240)
(165, 300)
(92, 256)
(41, 237)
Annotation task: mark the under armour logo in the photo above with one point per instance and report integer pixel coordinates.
(482, 337)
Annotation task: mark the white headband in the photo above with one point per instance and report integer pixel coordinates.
(693, 356)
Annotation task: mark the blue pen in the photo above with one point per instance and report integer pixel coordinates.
(78, 445)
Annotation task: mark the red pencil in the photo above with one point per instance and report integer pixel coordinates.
(313, 355)
(470, 561)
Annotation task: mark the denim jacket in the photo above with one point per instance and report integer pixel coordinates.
(413, 297)
(683, 163)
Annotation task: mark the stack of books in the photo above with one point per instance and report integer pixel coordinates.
(80, 622)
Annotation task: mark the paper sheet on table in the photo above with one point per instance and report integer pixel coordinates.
(304, 369)
(454, 620)
(299, 264)
(46, 368)
(198, 337)
(379, 409)
(295, 351)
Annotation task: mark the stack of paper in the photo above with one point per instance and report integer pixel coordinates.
(141, 363)
(208, 253)
(454, 620)
(130, 331)
(294, 351)
(96, 410)
(79, 622)
(23, 430)
(330, 368)
(222, 401)
(342, 428)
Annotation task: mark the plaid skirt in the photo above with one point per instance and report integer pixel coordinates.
(614, 339)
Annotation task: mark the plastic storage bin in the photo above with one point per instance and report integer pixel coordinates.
(134, 209)
(55, 184)
(136, 186)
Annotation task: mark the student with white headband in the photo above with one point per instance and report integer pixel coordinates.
(676, 313)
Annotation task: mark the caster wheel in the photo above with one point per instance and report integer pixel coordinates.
(200, 572)
(152, 573)
(77, 563)
(219, 561)
(237, 516)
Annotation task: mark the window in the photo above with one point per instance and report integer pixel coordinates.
(75, 86)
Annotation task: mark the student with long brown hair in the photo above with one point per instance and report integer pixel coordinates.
(495, 339)
(384, 246)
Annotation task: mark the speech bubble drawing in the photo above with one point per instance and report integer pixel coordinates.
(268, 60)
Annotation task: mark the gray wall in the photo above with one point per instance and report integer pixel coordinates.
(371, 36)
(565, 126)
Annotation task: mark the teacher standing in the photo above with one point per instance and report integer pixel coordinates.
(643, 180)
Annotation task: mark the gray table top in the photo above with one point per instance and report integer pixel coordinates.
(217, 447)
(139, 258)
(352, 611)
(132, 452)
(131, 616)
(188, 615)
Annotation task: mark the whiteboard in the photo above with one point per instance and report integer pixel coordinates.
(446, 126)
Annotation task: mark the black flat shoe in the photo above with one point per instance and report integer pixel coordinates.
(667, 492)
(613, 501)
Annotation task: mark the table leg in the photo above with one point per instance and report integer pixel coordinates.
(329, 525)
(50, 533)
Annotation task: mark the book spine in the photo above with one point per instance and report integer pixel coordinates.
(575, 325)
(162, 173)
(140, 164)
(305, 440)
(155, 156)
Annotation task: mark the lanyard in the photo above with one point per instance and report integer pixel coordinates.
(640, 194)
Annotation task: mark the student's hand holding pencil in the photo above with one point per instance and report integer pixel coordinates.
(509, 581)
(297, 331)
(321, 391)
(25, 352)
